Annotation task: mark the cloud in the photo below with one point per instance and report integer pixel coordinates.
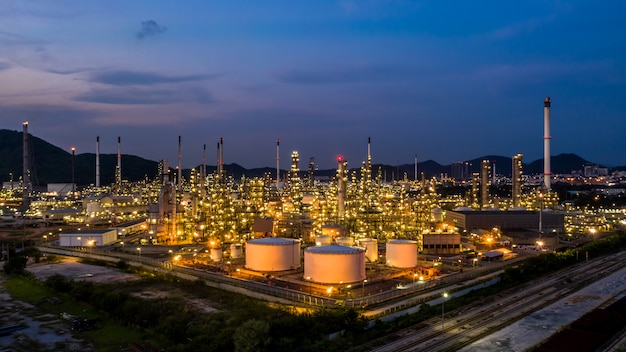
(131, 96)
(338, 75)
(517, 29)
(131, 78)
(150, 28)
(4, 66)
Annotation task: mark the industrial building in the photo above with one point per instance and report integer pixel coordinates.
(441, 243)
(87, 238)
(506, 220)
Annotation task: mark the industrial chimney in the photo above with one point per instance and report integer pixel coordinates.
(118, 168)
(26, 165)
(341, 186)
(98, 162)
(180, 168)
(547, 174)
(516, 179)
(277, 162)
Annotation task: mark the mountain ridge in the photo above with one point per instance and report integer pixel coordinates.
(54, 165)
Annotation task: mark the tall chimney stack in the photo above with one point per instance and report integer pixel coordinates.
(118, 168)
(221, 158)
(26, 165)
(180, 169)
(98, 161)
(277, 162)
(341, 186)
(203, 173)
(547, 174)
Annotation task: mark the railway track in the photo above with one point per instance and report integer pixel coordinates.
(466, 325)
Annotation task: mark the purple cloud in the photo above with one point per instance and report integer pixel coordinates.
(133, 78)
(150, 28)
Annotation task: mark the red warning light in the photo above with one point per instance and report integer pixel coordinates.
(339, 158)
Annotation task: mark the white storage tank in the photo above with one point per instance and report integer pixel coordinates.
(272, 254)
(323, 240)
(216, 254)
(402, 253)
(345, 241)
(334, 230)
(236, 251)
(334, 264)
(437, 214)
(371, 249)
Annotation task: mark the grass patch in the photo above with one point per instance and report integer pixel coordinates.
(109, 338)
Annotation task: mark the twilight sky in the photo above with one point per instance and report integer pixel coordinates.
(443, 80)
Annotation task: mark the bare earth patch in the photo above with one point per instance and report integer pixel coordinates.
(200, 304)
(74, 270)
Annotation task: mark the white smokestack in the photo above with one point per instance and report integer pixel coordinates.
(98, 161)
(415, 171)
(180, 169)
(547, 174)
(341, 186)
(203, 175)
(277, 162)
(26, 164)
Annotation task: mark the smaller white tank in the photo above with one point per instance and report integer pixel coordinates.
(334, 230)
(371, 249)
(236, 251)
(402, 253)
(308, 199)
(345, 241)
(323, 240)
(93, 207)
(216, 254)
(437, 214)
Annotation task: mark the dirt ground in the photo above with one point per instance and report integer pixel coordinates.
(74, 270)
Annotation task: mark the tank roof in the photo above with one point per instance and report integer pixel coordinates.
(273, 241)
(334, 249)
(402, 241)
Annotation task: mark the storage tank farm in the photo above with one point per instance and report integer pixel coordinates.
(334, 264)
(272, 254)
(401, 253)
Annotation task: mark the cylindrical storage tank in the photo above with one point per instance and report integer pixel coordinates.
(345, 241)
(323, 240)
(308, 199)
(402, 253)
(93, 207)
(334, 264)
(371, 249)
(216, 254)
(272, 254)
(236, 251)
(437, 214)
(334, 230)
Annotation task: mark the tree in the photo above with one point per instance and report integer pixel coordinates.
(15, 265)
(252, 336)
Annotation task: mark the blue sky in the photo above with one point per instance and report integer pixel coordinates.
(443, 80)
